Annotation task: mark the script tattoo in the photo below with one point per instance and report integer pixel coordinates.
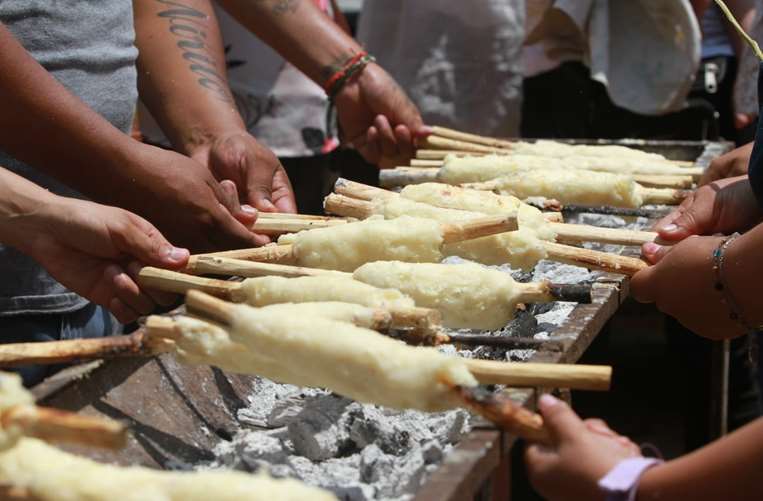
(189, 26)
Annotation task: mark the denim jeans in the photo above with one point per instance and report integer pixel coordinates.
(92, 321)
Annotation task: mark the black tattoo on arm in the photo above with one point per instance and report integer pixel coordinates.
(189, 26)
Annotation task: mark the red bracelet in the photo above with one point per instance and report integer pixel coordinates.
(341, 75)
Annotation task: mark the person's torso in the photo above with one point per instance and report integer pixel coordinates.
(460, 62)
(88, 46)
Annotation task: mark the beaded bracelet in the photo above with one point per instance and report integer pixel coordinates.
(719, 257)
(352, 67)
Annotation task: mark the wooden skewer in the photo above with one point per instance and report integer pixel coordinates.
(290, 216)
(576, 233)
(446, 133)
(663, 196)
(69, 351)
(579, 377)
(594, 260)
(507, 414)
(281, 226)
(471, 138)
(531, 292)
(422, 169)
(269, 253)
(597, 260)
(418, 162)
(565, 232)
(180, 283)
(61, 426)
(583, 377)
(442, 143)
(479, 227)
(437, 154)
(15, 493)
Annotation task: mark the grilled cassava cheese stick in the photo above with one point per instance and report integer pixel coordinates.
(579, 187)
(357, 363)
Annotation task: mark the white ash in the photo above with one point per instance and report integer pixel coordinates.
(358, 451)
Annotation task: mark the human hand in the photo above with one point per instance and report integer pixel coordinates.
(681, 283)
(259, 176)
(584, 451)
(181, 197)
(378, 119)
(97, 252)
(732, 164)
(723, 206)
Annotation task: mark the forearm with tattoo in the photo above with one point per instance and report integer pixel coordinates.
(189, 26)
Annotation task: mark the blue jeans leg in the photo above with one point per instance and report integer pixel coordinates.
(92, 321)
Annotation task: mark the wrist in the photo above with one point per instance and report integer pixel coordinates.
(738, 266)
(621, 483)
(26, 219)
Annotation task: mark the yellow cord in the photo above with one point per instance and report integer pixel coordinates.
(740, 30)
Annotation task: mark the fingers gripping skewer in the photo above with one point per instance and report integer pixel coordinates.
(507, 414)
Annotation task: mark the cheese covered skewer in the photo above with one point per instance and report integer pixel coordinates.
(467, 169)
(579, 187)
(468, 296)
(413, 239)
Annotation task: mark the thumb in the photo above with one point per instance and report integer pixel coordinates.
(144, 243)
(684, 226)
(653, 253)
(259, 186)
(560, 419)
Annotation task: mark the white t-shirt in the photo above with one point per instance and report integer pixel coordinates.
(459, 61)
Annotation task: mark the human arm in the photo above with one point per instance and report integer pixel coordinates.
(92, 249)
(732, 164)
(681, 282)
(83, 150)
(375, 114)
(182, 79)
(727, 469)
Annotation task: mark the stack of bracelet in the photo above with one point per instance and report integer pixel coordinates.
(352, 67)
(735, 313)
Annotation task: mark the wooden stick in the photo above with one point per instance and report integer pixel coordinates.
(213, 265)
(546, 292)
(418, 162)
(392, 178)
(452, 232)
(477, 228)
(437, 154)
(16, 493)
(269, 253)
(565, 232)
(572, 376)
(290, 216)
(660, 181)
(180, 283)
(75, 350)
(210, 307)
(663, 196)
(506, 413)
(281, 226)
(575, 233)
(595, 260)
(471, 138)
(346, 206)
(443, 143)
(277, 254)
(62, 426)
